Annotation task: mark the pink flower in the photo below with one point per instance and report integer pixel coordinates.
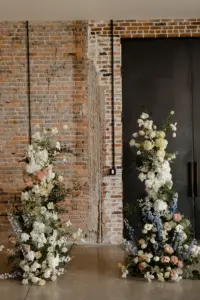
(165, 259)
(142, 266)
(177, 217)
(174, 276)
(41, 175)
(169, 250)
(180, 264)
(174, 260)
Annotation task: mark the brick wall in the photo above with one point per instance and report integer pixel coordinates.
(71, 84)
(59, 96)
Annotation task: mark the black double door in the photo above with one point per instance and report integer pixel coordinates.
(160, 75)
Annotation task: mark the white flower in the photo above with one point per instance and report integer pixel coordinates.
(143, 246)
(179, 228)
(35, 279)
(160, 277)
(30, 255)
(24, 237)
(137, 145)
(68, 223)
(132, 143)
(58, 146)
(174, 135)
(151, 175)
(152, 134)
(36, 136)
(172, 112)
(135, 135)
(161, 143)
(144, 116)
(160, 205)
(26, 268)
(64, 249)
(54, 131)
(147, 145)
(160, 153)
(140, 122)
(135, 260)
(25, 281)
(142, 177)
(148, 227)
(156, 258)
(141, 132)
(50, 205)
(152, 240)
(65, 127)
(41, 282)
(144, 231)
(47, 273)
(43, 210)
(138, 152)
(148, 124)
(167, 274)
(140, 252)
(149, 276)
(124, 273)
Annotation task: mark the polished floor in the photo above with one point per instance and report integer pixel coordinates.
(93, 275)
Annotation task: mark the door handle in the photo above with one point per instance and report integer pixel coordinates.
(195, 179)
(190, 179)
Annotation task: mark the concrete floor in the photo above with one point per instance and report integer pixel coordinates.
(93, 275)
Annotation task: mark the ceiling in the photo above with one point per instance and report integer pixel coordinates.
(54, 10)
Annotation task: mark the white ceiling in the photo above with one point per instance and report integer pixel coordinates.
(44, 10)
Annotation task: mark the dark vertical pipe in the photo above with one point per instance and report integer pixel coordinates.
(28, 80)
(113, 169)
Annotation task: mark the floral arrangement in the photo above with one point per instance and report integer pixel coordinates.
(42, 238)
(166, 247)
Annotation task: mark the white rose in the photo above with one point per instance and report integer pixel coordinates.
(143, 246)
(172, 112)
(138, 152)
(135, 135)
(144, 231)
(160, 205)
(64, 249)
(35, 279)
(137, 145)
(140, 253)
(147, 145)
(148, 227)
(160, 134)
(161, 143)
(141, 132)
(156, 258)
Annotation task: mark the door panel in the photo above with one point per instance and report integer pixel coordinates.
(195, 57)
(156, 78)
